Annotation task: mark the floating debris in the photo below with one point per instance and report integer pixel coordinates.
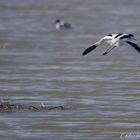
(6, 106)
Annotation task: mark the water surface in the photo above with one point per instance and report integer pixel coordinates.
(39, 64)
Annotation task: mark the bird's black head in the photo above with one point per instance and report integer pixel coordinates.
(57, 21)
(131, 36)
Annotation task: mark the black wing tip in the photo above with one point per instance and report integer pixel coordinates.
(88, 50)
(135, 46)
(84, 53)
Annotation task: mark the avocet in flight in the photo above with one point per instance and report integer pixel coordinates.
(116, 40)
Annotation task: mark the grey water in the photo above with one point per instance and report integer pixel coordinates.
(39, 64)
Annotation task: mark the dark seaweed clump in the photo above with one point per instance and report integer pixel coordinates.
(6, 106)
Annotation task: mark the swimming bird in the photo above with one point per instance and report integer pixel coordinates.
(116, 40)
(62, 24)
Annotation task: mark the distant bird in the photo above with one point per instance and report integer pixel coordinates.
(116, 40)
(62, 24)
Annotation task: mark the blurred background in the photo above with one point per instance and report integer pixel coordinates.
(40, 64)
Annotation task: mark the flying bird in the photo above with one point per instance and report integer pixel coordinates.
(116, 40)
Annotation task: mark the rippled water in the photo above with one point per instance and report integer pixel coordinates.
(39, 64)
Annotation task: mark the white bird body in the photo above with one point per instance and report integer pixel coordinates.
(116, 40)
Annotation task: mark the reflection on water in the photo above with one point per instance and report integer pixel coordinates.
(41, 64)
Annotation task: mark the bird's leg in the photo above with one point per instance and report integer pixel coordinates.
(109, 50)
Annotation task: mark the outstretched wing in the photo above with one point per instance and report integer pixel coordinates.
(135, 46)
(102, 40)
(89, 49)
